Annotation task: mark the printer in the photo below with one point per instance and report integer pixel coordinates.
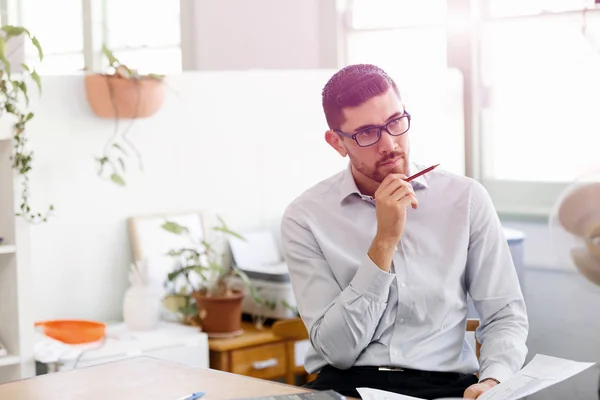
(260, 258)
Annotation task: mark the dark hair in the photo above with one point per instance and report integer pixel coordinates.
(350, 87)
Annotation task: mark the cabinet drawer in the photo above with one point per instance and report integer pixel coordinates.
(265, 362)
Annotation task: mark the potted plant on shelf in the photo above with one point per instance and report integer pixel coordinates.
(122, 93)
(210, 282)
(14, 102)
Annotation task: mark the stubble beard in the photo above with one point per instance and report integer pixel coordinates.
(379, 172)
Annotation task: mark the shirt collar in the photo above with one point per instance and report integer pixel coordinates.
(348, 184)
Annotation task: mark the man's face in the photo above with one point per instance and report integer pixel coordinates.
(389, 154)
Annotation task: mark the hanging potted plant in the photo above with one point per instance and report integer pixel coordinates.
(212, 287)
(122, 93)
(14, 102)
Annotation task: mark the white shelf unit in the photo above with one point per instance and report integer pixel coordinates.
(8, 249)
(16, 317)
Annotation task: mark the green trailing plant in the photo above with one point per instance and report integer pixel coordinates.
(112, 162)
(14, 103)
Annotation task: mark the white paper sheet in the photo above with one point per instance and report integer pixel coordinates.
(541, 372)
(376, 394)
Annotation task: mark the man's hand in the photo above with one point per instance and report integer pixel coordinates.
(392, 198)
(476, 390)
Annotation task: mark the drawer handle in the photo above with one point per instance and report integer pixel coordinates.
(271, 362)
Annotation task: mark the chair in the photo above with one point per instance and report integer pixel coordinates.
(472, 325)
(294, 330)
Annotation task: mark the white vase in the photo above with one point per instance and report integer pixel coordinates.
(142, 302)
(141, 308)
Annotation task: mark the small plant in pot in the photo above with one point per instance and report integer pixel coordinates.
(205, 268)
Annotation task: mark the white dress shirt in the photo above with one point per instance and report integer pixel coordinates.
(413, 316)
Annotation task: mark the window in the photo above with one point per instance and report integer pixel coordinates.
(407, 38)
(512, 8)
(144, 35)
(153, 43)
(536, 64)
(542, 120)
(62, 43)
(401, 36)
(540, 126)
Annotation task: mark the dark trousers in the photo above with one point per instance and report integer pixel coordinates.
(422, 384)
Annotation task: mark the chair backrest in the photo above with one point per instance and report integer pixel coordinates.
(472, 325)
(294, 329)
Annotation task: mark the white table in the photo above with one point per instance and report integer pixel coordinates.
(169, 341)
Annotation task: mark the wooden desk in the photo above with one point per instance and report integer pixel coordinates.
(256, 353)
(142, 378)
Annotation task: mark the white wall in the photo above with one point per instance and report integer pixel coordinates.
(264, 34)
(241, 144)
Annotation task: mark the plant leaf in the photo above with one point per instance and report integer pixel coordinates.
(35, 76)
(223, 228)
(116, 178)
(37, 45)
(25, 67)
(122, 163)
(12, 31)
(228, 232)
(119, 147)
(156, 76)
(171, 276)
(3, 56)
(112, 60)
(23, 86)
(215, 267)
(174, 227)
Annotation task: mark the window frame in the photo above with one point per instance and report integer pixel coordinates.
(521, 200)
(94, 13)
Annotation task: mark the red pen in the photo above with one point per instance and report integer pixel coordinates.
(418, 174)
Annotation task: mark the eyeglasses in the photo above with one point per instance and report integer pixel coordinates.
(371, 135)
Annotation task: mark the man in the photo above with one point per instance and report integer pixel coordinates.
(381, 267)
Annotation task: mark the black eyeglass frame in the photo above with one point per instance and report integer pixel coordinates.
(379, 129)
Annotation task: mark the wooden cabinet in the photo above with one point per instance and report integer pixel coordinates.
(256, 353)
(266, 361)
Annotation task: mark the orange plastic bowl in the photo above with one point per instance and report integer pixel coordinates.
(73, 331)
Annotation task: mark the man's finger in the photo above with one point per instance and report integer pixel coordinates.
(473, 391)
(391, 178)
(394, 184)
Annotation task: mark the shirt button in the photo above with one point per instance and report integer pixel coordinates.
(403, 284)
(401, 320)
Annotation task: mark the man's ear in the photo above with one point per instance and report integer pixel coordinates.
(336, 142)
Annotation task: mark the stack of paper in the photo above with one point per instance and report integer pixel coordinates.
(541, 372)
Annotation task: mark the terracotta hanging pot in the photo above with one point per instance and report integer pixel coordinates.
(113, 96)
